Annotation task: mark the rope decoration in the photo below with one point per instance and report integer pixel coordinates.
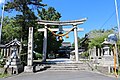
(61, 34)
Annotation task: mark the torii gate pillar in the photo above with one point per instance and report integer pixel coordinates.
(45, 43)
(76, 43)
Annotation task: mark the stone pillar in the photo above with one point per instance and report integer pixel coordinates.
(10, 51)
(45, 44)
(7, 52)
(4, 52)
(20, 48)
(98, 52)
(29, 67)
(101, 51)
(111, 53)
(76, 43)
(17, 53)
(90, 54)
(94, 52)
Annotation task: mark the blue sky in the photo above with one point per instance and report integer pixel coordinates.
(2, 1)
(97, 12)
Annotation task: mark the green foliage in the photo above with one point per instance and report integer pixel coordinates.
(25, 18)
(52, 15)
(10, 30)
(85, 54)
(96, 37)
(2, 63)
(38, 56)
(49, 14)
(3, 75)
(23, 58)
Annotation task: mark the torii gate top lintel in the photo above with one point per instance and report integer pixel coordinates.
(62, 23)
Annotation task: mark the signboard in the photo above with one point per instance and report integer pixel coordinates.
(112, 38)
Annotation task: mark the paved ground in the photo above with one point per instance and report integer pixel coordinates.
(60, 75)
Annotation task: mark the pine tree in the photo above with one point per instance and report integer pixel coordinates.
(27, 16)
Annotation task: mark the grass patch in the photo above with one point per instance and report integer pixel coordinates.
(4, 75)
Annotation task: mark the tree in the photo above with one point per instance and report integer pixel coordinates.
(26, 17)
(83, 42)
(97, 37)
(93, 38)
(52, 15)
(29, 12)
(10, 30)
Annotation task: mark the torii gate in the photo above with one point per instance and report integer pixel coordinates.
(29, 67)
(74, 23)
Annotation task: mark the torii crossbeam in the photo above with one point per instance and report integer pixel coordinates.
(62, 23)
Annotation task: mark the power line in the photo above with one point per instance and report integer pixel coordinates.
(108, 18)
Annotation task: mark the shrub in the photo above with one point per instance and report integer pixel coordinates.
(38, 56)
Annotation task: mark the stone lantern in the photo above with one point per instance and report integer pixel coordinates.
(14, 49)
(106, 48)
(107, 58)
(13, 63)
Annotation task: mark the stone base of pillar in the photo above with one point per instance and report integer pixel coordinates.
(28, 69)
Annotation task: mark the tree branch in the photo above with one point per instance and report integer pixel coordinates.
(37, 3)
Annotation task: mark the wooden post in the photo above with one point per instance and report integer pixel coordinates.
(114, 50)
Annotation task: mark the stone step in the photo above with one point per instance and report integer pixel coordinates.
(64, 66)
(66, 69)
(59, 64)
(62, 62)
(68, 65)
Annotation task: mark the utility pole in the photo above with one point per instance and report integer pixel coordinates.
(116, 7)
(2, 20)
(115, 47)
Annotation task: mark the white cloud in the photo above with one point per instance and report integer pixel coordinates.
(2, 1)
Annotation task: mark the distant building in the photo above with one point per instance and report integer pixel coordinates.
(66, 44)
(64, 50)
